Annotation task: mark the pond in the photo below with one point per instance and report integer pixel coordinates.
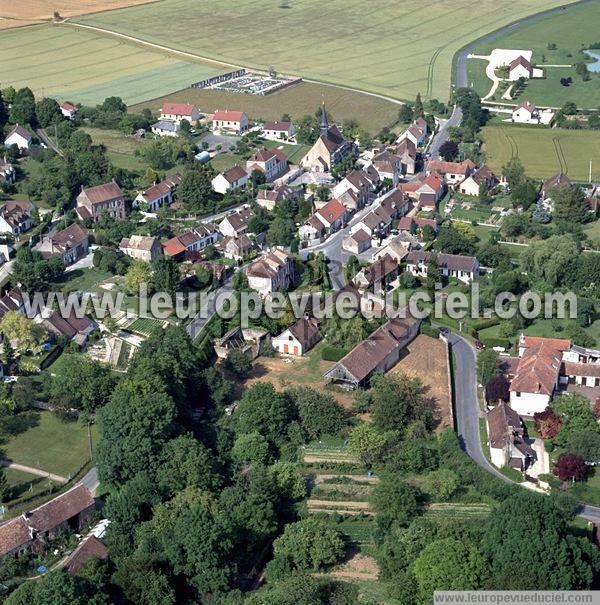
(594, 54)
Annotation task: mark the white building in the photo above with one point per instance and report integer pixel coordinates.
(525, 113)
(165, 128)
(68, 110)
(279, 131)
(233, 121)
(236, 223)
(271, 272)
(233, 178)
(175, 112)
(520, 68)
(160, 194)
(19, 136)
(298, 339)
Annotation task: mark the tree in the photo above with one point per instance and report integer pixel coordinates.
(514, 172)
(398, 400)
(251, 447)
(584, 443)
(56, 587)
(81, 383)
(449, 150)
(48, 112)
(238, 363)
(576, 415)
(240, 281)
(134, 426)
(139, 273)
(418, 111)
(547, 423)
(394, 498)
(497, 389)
(440, 484)
(449, 564)
(165, 275)
(319, 414)
(366, 442)
(143, 582)
(257, 177)
(405, 114)
(195, 190)
(488, 364)
(570, 204)
(22, 110)
(281, 231)
(310, 544)
(290, 482)
(4, 488)
(526, 191)
(351, 268)
(27, 334)
(551, 259)
(570, 467)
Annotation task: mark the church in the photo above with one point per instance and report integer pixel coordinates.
(329, 149)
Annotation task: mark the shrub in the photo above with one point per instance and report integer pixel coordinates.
(429, 330)
(332, 353)
(495, 342)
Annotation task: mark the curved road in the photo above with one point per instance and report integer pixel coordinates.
(468, 412)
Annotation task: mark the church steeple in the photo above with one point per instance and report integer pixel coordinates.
(324, 122)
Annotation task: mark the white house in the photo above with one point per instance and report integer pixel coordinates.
(233, 121)
(463, 268)
(279, 131)
(525, 113)
(15, 217)
(233, 178)
(165, 128)
(159, 194)
(416, 132)
(236, 223)
(7, 171)
(507, 438)
(520, 68)
(175, 112)
(68, 110)
(538, 373)
(271, 162)
(482, 177)
(271, 272)
(298, 339)
(19, 136)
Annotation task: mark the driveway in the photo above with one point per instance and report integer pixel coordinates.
(443, 133)
(212, 139)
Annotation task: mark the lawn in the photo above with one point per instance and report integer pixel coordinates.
(120, 148)
(305, 98)
(50, 444)
(83, 280)
(388, 47)
(84, 67)
(569, 30)
(593, 232)
(544, 151)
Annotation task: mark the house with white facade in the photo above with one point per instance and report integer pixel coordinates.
(7, 171)
(68, 110)
(141, 247)
(232, 178)
(160, 194)
(236, 223)
(463, 268)
(230, 121)
(298, 339)
(453, 173)
(273, 163)
(279, 131)
(525, 113)
(190, 242)
(272, 272)
(19, 136)
(175, 112)
(508, 446)
(15, 217)
(165, 128)
(520, 68)
(482, 178)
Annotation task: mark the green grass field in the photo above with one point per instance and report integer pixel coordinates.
(544, 151)
(51, 445)
(569, 30)
(80, 66)
(387, 47)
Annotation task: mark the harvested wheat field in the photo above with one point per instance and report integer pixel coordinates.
(426, 359)
(15, 13)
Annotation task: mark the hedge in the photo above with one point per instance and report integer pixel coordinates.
(496, 342)
(481, 324)
(429, 330)
(332, 353)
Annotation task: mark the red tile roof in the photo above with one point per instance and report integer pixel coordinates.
(443, 167)
(228, 115)
(332, 211)
(173, 247)
(178, 109)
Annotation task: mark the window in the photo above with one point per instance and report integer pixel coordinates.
(518, 393)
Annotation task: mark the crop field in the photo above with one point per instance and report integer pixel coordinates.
(82, 67)
(544, 151)
(144, 325)
(569, 30)
(394, 48)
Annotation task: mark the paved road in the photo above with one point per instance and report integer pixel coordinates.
(443, 132)
(208, 310)
(468, 412)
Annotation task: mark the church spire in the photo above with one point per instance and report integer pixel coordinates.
(324, 122)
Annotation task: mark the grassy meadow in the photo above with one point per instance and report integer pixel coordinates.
(82, 67)
(387, 47)
(576, 26)
(544, 151)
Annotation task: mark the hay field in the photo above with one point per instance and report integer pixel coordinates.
(392, 47)
(80, 66)
(544, 151)
(15, 13)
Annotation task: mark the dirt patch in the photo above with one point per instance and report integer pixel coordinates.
(24, 12)
(357, 567)
(358, 478)
(308, 371)
(312, 459)
(426, 358)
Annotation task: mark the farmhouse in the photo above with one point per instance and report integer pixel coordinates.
(71, 327)
(279, 131)
(416, 132)
(463, 268)
(141, 247)
(271, 162)
(538, 373)
(298, 339)
(68, 110)
(482, 178)
(233, 178)
(378, 353)
(232, 121)
(19, 136)
(165, 128)
(187, 243)
(357, 242)
(377, 276)
(236, 223)
(103, 200)
(32, 529)
(69, 245)
(15, 217)
(176, 112)
(507, 438)
(525, 113)
(159, 194)
(330, 148)
(271, 272)
(89, 548)
(406, 150)
(452, 172)
(269, 198)
(520, 68)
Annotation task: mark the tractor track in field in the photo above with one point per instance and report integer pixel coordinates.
(560, 155)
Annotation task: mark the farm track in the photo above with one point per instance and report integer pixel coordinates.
(560, 155)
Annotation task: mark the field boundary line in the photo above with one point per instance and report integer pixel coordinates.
(197, 57)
